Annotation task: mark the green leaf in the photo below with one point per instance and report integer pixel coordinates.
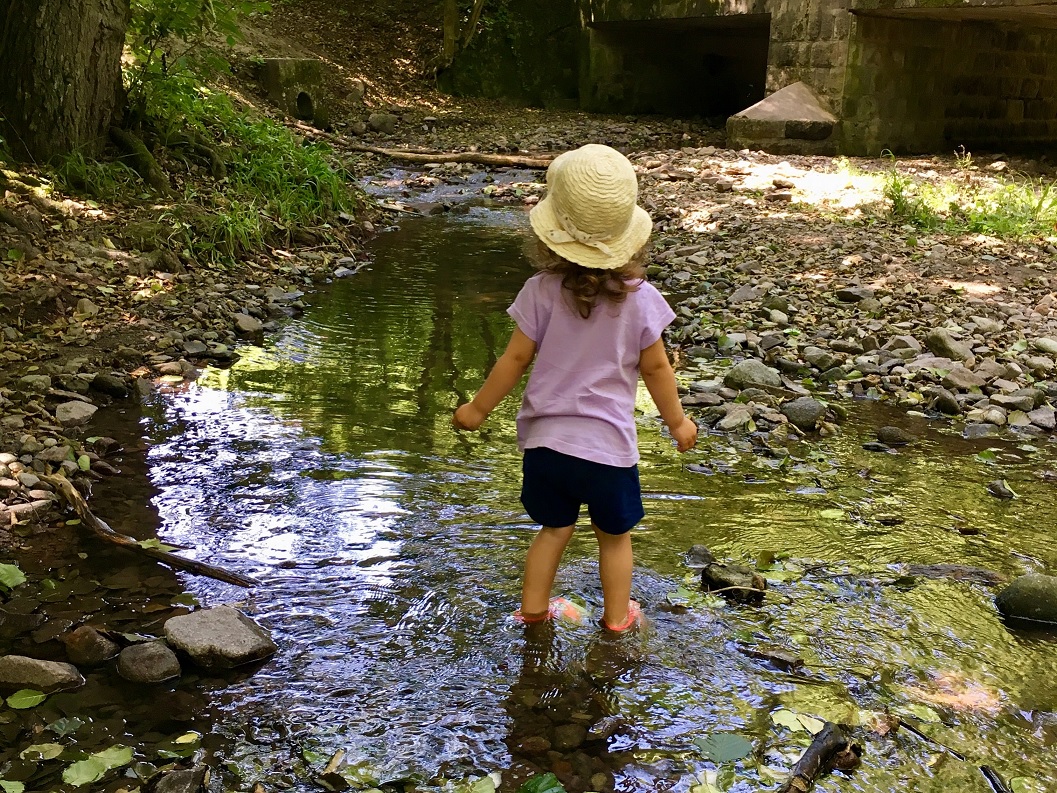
(723, 747)
(986, 456)
(546, 783)
(14, 254)
(26, 698)
(923, 712)
(154, 542)
(84, 772)
(188, 737)
(94, 767)
(786, 718)
(11, 576)
(1018, 784)
(41, 751)
(84, 462)
(1019, 346)
(66, 726)
(18, 787)
(811, 724)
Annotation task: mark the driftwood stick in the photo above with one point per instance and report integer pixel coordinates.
(423, 156)
(100, 529)
(831, 748)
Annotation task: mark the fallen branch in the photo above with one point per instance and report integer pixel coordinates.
(104, 532)
(831, 748)
(421, 156)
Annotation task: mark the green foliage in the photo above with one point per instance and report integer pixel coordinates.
(95, 766)
(273, 183)
(11, 576)
(26, 698)
(1020, 207)
(545, 783)
(723, 747)
(104, 181)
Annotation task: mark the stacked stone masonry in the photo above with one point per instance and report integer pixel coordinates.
(902, 75)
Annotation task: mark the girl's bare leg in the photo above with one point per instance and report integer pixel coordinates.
(541, 565)
(614, 568)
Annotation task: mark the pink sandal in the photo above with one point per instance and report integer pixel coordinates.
(558, 608)
(634, 618)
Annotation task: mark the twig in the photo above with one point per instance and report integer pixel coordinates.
(104, 532)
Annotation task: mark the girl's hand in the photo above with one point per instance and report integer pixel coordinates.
(685, 435)
(469, 417)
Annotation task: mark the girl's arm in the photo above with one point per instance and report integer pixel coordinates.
(660, 381)
(506, 374)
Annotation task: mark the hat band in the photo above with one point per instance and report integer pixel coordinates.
(569, 233)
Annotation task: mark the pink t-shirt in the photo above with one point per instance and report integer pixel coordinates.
(580, 397)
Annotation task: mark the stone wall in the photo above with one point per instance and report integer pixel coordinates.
(916, 85)
(904, 75)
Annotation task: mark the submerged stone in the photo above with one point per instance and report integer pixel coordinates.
(150, 662)
(804, 413)
(88, 647)
(1030, 597)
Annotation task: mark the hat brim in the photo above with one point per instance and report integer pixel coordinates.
(623, 247)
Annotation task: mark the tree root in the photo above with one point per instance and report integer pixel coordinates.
(101, 530)
(199, 146)
(419, 156)
(143, 161)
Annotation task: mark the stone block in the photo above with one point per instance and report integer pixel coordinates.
(295, 85)
(1015, 110)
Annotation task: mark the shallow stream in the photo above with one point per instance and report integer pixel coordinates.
(389, 550)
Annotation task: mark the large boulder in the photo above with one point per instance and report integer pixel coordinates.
(1031, 597)
(752, 373)
(219, 638)
(18, 671)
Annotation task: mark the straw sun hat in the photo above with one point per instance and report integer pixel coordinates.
(589, 215)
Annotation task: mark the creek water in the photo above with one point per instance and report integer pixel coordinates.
(389, 549)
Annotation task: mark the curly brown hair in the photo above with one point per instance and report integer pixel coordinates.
(585, 286)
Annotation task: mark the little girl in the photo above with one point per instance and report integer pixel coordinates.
(593, 325)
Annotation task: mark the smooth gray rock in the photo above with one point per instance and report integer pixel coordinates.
(247, 325)
(18, 671)
(987, 325)
(1023, 402)
(738, 416)
(34, 383)
(945, 402)
(752, 372)
(109, 384)
(961, 379)
(1046, 345)
(219, 638)
(804, 413)
(88, 647)
(382, 122)
(821, 359)
(150, 662)
(853, 294)
(1030, 597)
(941, 343)
(74, 414)
(1043, 418)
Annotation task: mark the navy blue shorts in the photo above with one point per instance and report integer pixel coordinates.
(555, 485)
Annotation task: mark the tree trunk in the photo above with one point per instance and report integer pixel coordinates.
(451, 30)
(60, 74)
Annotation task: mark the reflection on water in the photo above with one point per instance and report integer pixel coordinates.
(390, 547)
